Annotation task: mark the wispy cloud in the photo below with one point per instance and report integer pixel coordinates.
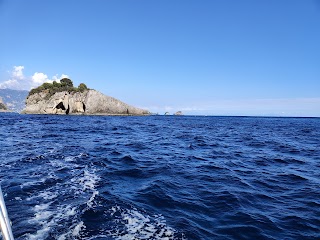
(19, 81)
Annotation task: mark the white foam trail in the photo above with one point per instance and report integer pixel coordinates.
(40, 234)
(74, 232)
(77, 229)
(69, 159)
(48, 219)
(139, 226)
(48, 195)
(89, 180)
(90, 202)
(42, 207)
(80, 183)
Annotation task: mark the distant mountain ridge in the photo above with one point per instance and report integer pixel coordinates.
(14, 100)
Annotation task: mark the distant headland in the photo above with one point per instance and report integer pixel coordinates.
(63, 98)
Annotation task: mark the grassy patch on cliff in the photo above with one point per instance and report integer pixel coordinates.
(51, 88)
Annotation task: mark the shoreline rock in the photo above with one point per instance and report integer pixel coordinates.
(3, 107)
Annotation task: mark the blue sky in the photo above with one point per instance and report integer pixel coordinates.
(215, 57)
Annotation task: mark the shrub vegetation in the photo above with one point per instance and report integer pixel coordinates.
(65, 85)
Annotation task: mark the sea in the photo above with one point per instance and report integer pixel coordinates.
(160, 177)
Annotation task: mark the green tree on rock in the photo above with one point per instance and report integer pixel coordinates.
(56, 84)
(47, 85)
(65, 85)
(66, 82)
(82, 87)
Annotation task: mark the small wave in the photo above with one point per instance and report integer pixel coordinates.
(288, 160)
(288, 148)
(237, 232)
(198, 158)
(133, 173)
(128, 158)
(210, 167)
(292, 177)
(50, 136)
(115, 153)
(137, 145)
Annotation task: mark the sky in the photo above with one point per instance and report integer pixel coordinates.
(203, 57)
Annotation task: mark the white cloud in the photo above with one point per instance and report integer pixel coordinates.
(39, 78)
(57, 79)
(19, 81)
(18, 72)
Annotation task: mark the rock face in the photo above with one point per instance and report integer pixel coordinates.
(179, 113)
(2, 106)
(89, 102)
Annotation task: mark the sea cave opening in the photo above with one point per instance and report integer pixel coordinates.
(61, 106)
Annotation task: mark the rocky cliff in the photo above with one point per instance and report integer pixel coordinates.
(88, 102)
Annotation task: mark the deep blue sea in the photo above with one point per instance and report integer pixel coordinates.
(161, 177)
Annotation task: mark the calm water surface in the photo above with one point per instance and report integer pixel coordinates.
(157, 177)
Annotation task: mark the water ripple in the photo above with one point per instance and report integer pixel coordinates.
(161, 177)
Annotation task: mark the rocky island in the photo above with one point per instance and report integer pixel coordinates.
(64, 98)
